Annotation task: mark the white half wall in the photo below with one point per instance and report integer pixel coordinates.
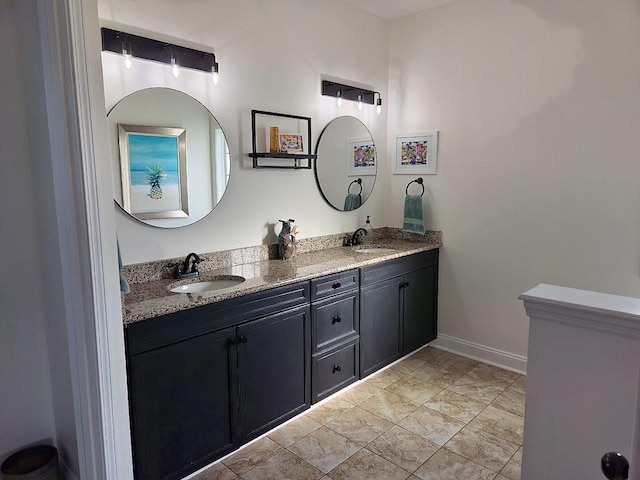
(272, 57)
(538, 108)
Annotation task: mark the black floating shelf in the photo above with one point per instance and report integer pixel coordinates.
(282, 155)
(292, 159)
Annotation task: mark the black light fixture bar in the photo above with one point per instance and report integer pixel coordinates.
(157, 51)
(347, 92)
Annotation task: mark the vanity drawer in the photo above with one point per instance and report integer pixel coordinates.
(334, 369)
(334, 284)
(333, 319)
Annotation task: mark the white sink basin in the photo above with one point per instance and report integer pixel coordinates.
(374, 249)
(209, 285)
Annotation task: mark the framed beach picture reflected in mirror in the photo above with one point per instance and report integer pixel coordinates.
(416, 153)
(153, 162)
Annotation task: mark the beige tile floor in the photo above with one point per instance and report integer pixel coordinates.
(431, 416)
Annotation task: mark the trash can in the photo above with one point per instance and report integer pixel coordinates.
(37, 462)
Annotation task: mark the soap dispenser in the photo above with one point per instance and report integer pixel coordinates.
(368, 238)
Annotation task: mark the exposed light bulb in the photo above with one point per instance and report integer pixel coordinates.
(126, 53)
(379, 106)
(174, 67)
(339, 101)
(360, 102)
(214, 73)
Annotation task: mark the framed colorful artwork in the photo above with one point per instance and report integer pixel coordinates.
(153, 164)
(416, 154)
(291, 143)
(361, 157)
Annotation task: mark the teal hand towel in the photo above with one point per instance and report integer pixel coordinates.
(413, 216)
(124, 285)
(352, 201)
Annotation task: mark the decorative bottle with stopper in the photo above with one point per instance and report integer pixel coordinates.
(287, 240)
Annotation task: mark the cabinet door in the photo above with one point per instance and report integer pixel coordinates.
(274, 365)
(182, 403)
(379, 325)
(419, 312)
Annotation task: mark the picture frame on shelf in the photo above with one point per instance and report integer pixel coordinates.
(153, 165)
(416, 153)
(361, 157)
(291, 143)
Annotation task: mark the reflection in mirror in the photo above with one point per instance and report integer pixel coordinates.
(346, 165)
(170, 160)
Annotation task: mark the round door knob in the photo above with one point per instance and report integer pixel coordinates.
(615, 466)
(336, 319)
(336, 368)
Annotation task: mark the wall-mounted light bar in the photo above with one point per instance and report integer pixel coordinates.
(342, 91)
(134, 46)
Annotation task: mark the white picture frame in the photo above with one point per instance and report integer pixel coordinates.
(416, 154)
(361, 157)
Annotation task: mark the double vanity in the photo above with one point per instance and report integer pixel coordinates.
(213, 368)
(241, 341)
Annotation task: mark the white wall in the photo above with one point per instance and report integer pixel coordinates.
(272, 56)
(26, 414)
(538, 108)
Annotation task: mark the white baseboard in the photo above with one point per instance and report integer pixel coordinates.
(492, 356)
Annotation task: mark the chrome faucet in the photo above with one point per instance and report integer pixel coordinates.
(188, 268)
(354, 239)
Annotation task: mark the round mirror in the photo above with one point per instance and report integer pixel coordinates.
(346, 165)
(170, 158)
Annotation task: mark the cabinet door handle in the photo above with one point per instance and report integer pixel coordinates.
(336, 368)
(242, 339)
(232, 341)
(336, 319)
(404, 284)
(336, 285)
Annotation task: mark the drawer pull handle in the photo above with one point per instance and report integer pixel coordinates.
(336, 285)
(404, 285)
(336, 368)
(336, 319)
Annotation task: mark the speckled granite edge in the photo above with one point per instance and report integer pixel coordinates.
(153, 298)
(157, 270)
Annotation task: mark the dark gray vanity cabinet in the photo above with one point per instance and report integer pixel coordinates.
(183, 405)
(273, 370)
(398, 308)
(206, 380)
(420, 304)
(335, 343)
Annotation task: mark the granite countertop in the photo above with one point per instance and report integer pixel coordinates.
(153, 298)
